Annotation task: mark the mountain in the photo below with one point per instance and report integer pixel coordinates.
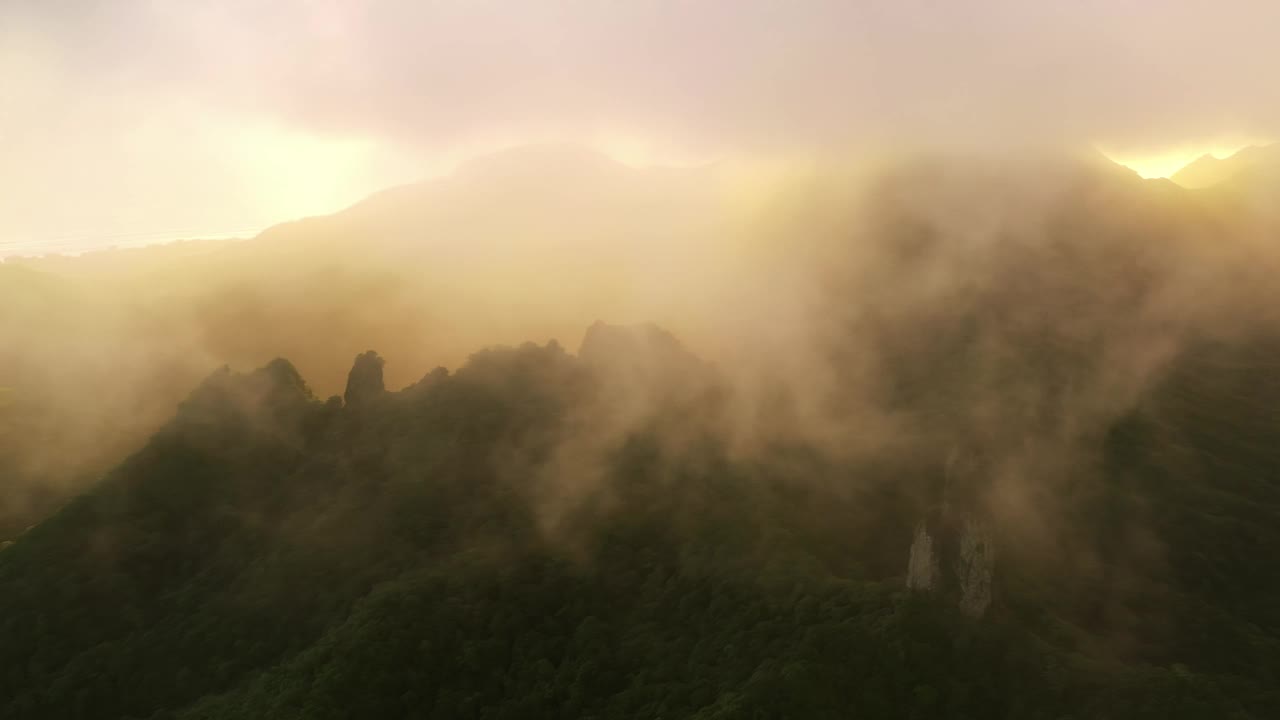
(531, 242)
(432, 553)
(1207, 170)
(961, 439)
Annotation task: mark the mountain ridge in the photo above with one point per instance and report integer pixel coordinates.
(268, 554)
(1207, 170)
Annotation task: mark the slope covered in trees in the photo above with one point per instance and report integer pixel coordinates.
(516, 539)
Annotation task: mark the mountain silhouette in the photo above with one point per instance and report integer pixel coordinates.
(1208, 171)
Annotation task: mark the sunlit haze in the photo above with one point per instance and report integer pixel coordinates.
(136, 121)
(634, 359)
(1164, 163)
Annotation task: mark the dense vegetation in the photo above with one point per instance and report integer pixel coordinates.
(982, 443)
(427, 553)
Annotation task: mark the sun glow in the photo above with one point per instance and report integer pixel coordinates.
(294, 174)
(1164, 163)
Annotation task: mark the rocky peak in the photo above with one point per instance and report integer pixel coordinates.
(605, 343)
(270, 400)
(643, 357)
(364, 382)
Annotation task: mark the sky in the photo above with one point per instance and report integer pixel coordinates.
(140, 120)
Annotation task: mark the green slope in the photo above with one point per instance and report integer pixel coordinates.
(269, 555)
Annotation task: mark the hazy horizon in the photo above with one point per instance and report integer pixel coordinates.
(1150, 167)
(185, 120)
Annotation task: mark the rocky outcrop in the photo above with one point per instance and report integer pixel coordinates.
(922, 566)
(270, 401)
(364, 382)
(975, 564)
(953, 550)
(953, 556)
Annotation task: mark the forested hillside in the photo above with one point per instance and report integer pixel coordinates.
(455, 550)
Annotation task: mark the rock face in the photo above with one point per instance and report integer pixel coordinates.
(953, 549)
(364, 382)
(953, 556)
(974, 567)
(922, 566)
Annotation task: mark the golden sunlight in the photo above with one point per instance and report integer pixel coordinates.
(1165, 163)
(296, 174)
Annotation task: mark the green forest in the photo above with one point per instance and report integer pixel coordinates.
(415, 554)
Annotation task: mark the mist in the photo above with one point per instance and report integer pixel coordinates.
(1001, 306)
(186, 121)
(657, 359)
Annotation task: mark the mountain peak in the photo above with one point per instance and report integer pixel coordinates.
(605, 344)
(1207, 170)
(364, 382)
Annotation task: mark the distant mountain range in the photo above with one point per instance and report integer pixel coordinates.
(1207, 170)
